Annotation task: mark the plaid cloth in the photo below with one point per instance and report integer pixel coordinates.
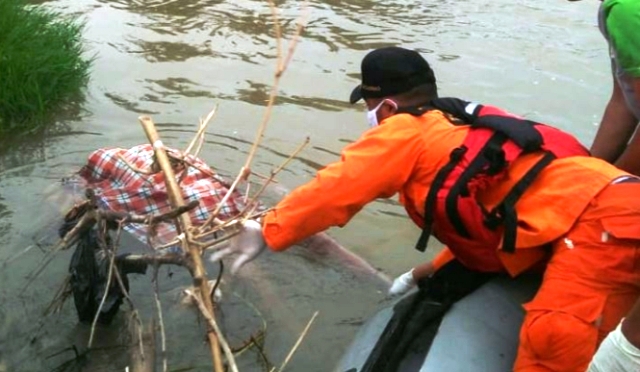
(121, 188)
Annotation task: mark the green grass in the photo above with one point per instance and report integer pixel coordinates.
(42, 66)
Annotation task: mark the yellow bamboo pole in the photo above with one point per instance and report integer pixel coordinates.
(175, 197)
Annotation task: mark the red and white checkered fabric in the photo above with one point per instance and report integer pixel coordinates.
(120, 188)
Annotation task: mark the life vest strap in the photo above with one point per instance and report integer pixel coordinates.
(505, 213)
(483, 167)
(521, 131)
(465, 112)
(430, 202)
(489, 159)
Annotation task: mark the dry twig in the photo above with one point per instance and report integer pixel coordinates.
(253, 203)
(163, 341)
(104, 297)
(212, 322)
(63, 292)
(200, 133)
(281, 67)
(297, 344)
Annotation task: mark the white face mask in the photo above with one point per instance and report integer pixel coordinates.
(372, 115)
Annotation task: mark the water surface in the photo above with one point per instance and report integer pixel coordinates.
(175, 60)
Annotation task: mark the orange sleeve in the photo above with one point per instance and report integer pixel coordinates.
(376, 166)
(443, 257)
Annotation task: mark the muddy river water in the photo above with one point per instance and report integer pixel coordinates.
(176, 59)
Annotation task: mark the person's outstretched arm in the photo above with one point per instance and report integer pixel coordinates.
(376, 166)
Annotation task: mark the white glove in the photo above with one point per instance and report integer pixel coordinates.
(248, 243)
(402, 284)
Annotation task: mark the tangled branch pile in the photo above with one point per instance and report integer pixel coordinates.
(191, 239)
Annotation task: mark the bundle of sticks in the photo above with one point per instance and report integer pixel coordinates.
(192, 238)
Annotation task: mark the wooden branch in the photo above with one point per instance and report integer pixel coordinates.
(175, 196)
(155, 259)
(104, 297)
(212, 322)
(149, 219)
(138, 327)
(199, 148)
(213, 216)
(253, 204)
(297, 344)
(202, 237)
(175, 241)
(262, 176)
(245, 198)
(281, 67)
(213, 243)
(200, 132)
(35, 273)
(63, 292)
(135, 314)
(208, 172)
(113, 271)
(144, 362)
(278, 31)
(196, 153)
(302, 21)
(163, 340)
(86, 222)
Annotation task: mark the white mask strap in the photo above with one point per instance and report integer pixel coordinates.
(372, 115)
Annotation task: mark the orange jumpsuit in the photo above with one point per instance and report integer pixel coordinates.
(403, 154)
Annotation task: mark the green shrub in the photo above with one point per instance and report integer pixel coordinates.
(42, 65)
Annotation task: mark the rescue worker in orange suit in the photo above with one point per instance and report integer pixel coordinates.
(586, 210)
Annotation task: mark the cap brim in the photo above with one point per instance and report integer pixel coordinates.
(356, 95)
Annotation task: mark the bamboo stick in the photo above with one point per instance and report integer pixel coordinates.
(175, 197)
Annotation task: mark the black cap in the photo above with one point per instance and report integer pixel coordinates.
(389, 71)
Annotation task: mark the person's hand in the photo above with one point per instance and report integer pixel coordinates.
(248, 243)
(402, 284)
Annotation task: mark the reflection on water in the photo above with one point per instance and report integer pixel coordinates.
(176, 59)
(161, 51)
(176, 87)
(127, 104)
